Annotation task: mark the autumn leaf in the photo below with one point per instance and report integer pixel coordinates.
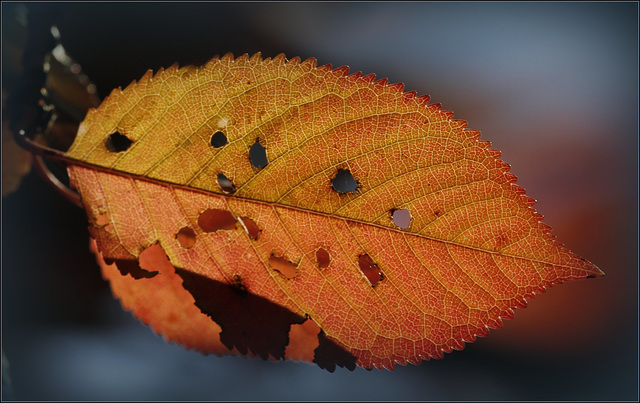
(273, 208)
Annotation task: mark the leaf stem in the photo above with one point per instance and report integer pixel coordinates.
(39, 151)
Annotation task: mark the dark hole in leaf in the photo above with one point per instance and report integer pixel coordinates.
(303, 340)
(343, 182)
(329, 353)
(258, 155)
(218, 139)
(437, 213)
(591, 276)
(401, 218)
(370, 269)
(283, 266)
(117, 143)
(187, 237)
(323, 258)
(226, 185)
(131, 267)
(250, 227)
(248, 322)
(212, 220)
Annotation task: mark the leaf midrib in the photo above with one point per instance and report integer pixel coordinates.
(72, 161)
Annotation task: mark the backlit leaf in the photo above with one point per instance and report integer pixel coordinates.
(295, 211)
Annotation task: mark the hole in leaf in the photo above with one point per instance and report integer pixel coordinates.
(250, 227)
(344, 182)
(226, 185)
(218, 139)
(248, 322)
(329, 353)
(303, 340)
(258, 155)
(187, 237)
(102, 220)
(212, 220)
(370, 269)
(117, 143)
(283, 266)
(131, 267)
(323, 258)
(401, 218)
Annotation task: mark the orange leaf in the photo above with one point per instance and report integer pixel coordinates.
(307, 214)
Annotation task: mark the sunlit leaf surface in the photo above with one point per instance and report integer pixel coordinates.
(274, 208)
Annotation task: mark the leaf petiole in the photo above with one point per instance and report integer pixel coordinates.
(39, 153)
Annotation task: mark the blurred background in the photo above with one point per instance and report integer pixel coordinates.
(554, 86)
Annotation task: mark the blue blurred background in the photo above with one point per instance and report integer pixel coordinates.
(554, 86)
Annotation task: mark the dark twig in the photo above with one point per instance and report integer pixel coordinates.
(60, 187)
(39, 151)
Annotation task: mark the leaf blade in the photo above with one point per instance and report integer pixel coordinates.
(473, 251)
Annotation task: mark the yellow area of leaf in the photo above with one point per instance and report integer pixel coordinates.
(474, 248)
